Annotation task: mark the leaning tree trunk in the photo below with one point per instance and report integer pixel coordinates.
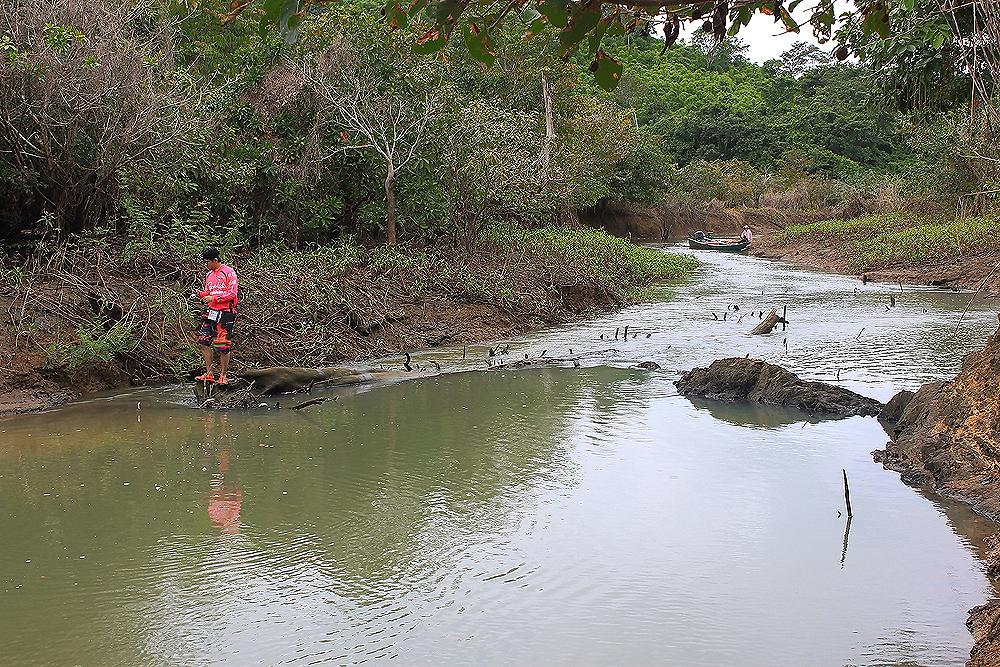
(390, 207)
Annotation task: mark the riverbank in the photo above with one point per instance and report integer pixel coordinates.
(103, 313)
(948, 437)
(905, 248)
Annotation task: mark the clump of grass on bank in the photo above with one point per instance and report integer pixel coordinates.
(864, 226)
(880, 241)
(617, 263)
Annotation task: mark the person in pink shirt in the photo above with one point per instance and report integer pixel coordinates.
(215, 332)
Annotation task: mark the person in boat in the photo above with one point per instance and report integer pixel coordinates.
(747, 235)
(215, 332)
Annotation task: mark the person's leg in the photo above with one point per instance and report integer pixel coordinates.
(223, 364)
(205, 333)
(207, 351)
(223, 343)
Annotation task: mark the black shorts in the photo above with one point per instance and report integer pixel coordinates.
(217, 335)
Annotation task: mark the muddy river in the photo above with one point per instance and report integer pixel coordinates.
(548, 516)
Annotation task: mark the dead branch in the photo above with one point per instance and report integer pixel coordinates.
(768, 323)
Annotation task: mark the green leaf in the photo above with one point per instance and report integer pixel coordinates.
(273, 8)
(789, 22)
(396, 16)
(825, 18)
(530, 15)
(479, 44)
(607, 72)
(277, 13)
(283, 13)
(416, 6)
(908, 5)
(876, 23)
(291, 33)
(598, 34)
(583, 20)
(447, 12)
(554, 11)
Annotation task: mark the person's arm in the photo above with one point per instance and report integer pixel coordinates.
(203, 293)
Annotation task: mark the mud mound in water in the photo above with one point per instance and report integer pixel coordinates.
(739, 379)
(949, 434)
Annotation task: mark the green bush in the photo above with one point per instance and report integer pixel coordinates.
(94, 347)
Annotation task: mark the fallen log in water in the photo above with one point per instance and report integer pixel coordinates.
(284, 379)
(259, 382)
(312, 401)
(768, 323)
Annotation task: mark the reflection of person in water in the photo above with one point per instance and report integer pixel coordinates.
(225, 500)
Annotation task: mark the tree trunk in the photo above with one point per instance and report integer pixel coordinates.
(390, 207)
(550, 129)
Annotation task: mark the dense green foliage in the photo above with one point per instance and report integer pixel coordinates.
(253, 141)
(709, 106)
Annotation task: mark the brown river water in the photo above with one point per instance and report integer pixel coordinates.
(546, 516)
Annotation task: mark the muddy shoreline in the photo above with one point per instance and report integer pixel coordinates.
(79, 321)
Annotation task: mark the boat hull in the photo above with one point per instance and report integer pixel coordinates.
(719, 246)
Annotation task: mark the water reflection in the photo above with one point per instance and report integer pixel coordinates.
(753, 414)
(847, 537)
(225, 499)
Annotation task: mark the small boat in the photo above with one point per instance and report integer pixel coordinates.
(722, 245)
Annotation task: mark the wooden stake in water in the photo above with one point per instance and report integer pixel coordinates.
(847, 495)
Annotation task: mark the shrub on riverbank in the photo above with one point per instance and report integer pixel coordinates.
(880, 241)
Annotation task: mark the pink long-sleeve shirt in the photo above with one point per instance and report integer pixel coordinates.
(222, 285)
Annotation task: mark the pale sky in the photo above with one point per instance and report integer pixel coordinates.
(766, 38)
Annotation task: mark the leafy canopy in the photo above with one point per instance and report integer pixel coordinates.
(583, 24)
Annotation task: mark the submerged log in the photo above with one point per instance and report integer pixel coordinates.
(286, 379)
(542, 361)
(283, 379)
(312, 401)
(768, 323)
